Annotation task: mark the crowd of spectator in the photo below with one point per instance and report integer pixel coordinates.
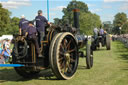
(5, 51)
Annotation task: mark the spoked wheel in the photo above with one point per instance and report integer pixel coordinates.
(89, 57)
(26, 72)
(65, 56)
(108, 42)
(20, 49)
(52, 48)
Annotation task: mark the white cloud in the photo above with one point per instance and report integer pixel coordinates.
(96, 10)
(107, 17)
(124, 7)
(13, 4)
(107, 6)
(115, 0)
(91, 5)
(58, 8)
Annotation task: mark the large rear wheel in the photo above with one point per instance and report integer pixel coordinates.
(65, 56)
(52, 49)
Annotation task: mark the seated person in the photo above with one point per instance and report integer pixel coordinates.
(31, 34)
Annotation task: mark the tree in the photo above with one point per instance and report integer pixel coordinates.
(14, 27)
(4, 20)
(68, 14)
(119, 20)
(57, 21)
(125, 28)
(8, 25)
(88, 22)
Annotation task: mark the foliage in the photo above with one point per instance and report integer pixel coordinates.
(56, 21)
(125, 28)
(88, 20)
(4, 20)
(68, 14)
(120, 20)
(7, 25)
(14, 29)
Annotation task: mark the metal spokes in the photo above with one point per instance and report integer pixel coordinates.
(67, 51)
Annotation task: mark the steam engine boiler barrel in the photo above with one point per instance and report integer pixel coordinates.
(81, 40)
(76, 19)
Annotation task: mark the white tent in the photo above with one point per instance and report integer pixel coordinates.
(10, 37)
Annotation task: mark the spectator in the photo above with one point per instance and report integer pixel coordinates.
(1, 46)
(6, 50)
(2, 61)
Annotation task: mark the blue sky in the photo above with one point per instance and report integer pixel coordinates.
(106, 9)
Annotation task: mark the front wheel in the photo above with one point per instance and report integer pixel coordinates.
(89, 57)
(108, 42)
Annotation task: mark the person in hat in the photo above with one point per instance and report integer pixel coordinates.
(31, 34)
(40, 25)
(23, 24)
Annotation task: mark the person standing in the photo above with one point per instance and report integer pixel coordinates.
(23, 24)
(40, 25)
(95, 31)
(101, 32)
(6, 50)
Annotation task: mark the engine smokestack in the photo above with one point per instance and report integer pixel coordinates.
(76, 19)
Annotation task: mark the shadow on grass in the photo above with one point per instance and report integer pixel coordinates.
(7, 74)
(121, 50)
(81, 67)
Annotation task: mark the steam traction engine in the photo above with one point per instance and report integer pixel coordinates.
(103, 41)
(61, 51)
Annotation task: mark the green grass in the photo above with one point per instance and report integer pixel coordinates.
(110, 68)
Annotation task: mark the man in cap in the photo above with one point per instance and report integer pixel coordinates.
(95, 31)
(31, 34)
(23, 24)
(40, 25)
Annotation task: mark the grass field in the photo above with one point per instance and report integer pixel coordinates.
(110, 68)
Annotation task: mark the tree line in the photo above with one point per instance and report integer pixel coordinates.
(8, 25)
(88, 20)
(120, 23)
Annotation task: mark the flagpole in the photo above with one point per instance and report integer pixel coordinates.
(48, 9)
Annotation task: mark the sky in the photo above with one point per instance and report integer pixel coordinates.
(106, 9)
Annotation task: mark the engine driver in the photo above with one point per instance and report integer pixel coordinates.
(40, 25)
